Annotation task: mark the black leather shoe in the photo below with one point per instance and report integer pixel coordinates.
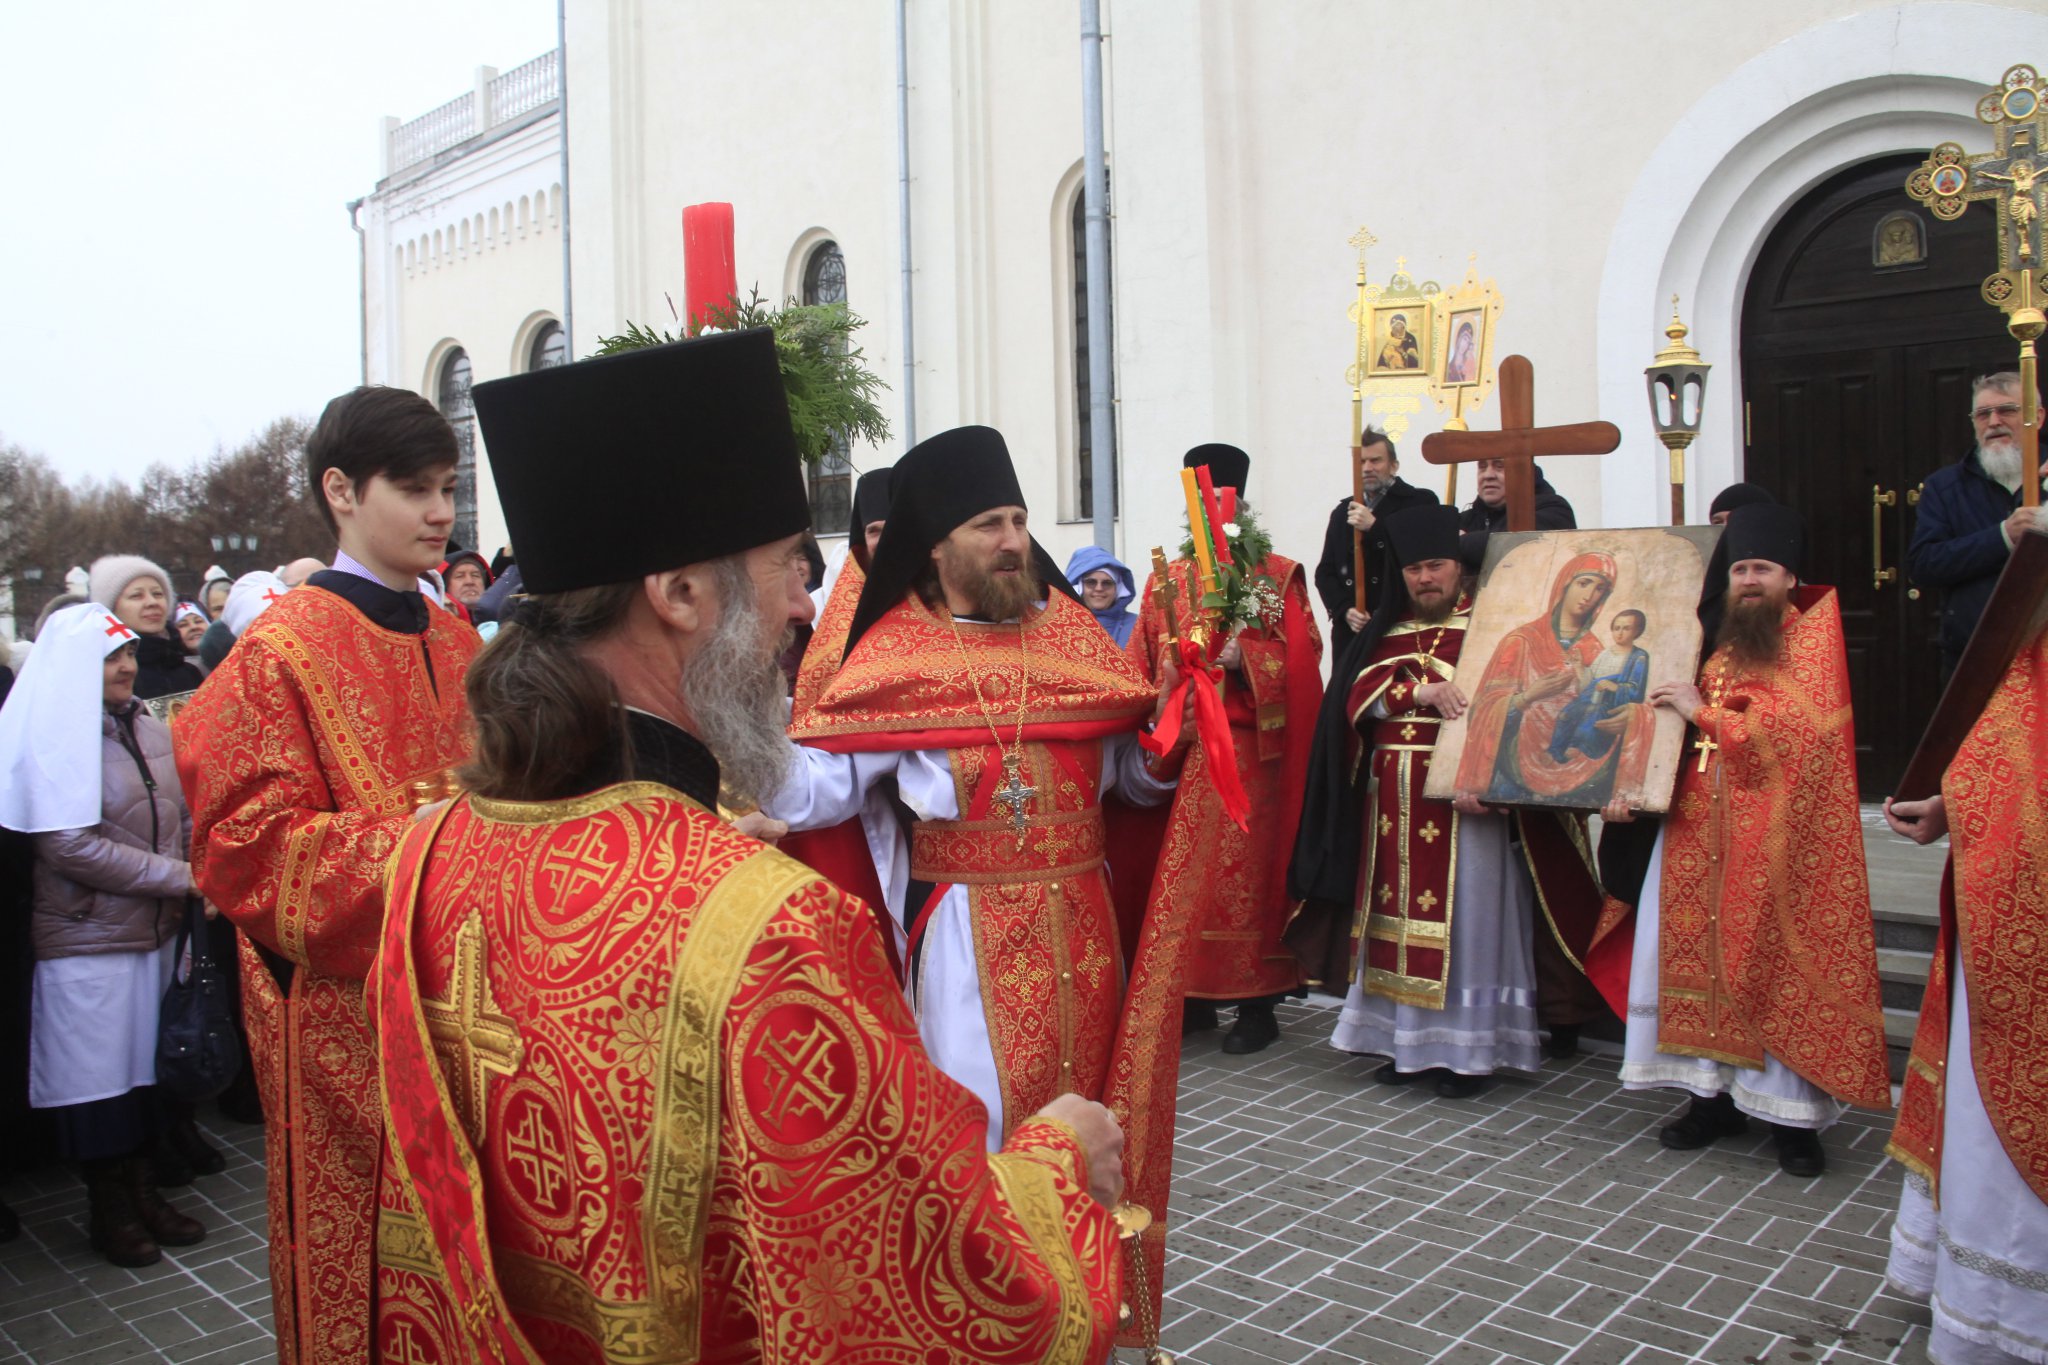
(1453, 1086)
(1255, 1029)
(1799, 1151)
(1702, 1122)
(1197, 1016)
(1389, 1075)
(168, 1167)
(1563, 1041)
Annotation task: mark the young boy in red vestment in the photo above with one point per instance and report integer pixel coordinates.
(304, 757)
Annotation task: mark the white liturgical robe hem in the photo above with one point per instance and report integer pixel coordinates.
(1776, 1094)
(1980, 1261)
(1488, 1022)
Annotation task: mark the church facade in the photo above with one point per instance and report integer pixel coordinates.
(1592, 162)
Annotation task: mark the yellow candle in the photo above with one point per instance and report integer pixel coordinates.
(1198, 526)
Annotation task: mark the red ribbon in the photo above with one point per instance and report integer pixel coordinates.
(1212, 728)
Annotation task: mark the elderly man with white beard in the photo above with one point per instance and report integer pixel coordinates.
(1971, 515)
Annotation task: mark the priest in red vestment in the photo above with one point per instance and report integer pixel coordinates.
(980, 717)
(1446, 910)
(1971, 1238)
(1232, 882)
(838, 596)
(304, 758)
(1753, 980)
(653, 1089)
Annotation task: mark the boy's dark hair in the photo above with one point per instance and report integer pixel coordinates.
(376, 430)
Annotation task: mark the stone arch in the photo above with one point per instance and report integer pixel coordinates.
(1842, 92)
(799, 258)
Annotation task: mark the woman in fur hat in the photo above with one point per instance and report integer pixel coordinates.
(138, 592)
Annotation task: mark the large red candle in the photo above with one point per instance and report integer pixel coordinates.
(1210, 511)
(710, 279)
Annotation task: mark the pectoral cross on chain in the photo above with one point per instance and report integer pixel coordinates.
(1705, 747)
(1015, 793)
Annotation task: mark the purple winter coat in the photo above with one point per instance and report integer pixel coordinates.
(105, 889)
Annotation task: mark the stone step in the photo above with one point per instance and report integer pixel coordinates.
(1902, 976)
(1899, 1026)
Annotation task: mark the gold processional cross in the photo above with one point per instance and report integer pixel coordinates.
(1520, 441)
(469, 1033)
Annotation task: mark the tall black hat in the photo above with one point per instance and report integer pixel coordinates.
(1227, 464)
(1738, 495)
(1419, 533)
(637, 463)
(1766, 530)
(940, 484)
(870, 500)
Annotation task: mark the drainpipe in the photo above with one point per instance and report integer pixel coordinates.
(903, 221)
(562, 113)
(1095, 210)
(362, 286)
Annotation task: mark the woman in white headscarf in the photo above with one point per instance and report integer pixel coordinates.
(87, 771)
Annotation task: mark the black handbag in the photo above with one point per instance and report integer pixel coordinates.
(197, 1052)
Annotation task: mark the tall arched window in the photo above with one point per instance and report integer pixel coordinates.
(550, 347)
(831, 478)
(456, 405)
(1084, 443)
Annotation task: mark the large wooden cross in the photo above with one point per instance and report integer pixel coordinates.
(1520, 441)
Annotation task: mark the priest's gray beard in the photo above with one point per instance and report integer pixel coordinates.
(2001, 462)
(1753, 628)
(733, 690)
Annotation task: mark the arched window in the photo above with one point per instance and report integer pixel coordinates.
(1084, 443)
(831, 478)
(456, 405)
(549, 349)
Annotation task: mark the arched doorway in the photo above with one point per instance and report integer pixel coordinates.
(1861, 330)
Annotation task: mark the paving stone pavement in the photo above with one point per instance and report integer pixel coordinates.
(1318, 1217)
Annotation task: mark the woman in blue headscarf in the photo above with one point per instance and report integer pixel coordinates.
(1106, 589)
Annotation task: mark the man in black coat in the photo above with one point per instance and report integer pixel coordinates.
(1386, 493)
(1970, 516)
(1489, 511)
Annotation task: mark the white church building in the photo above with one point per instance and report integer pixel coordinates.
(1593, 159)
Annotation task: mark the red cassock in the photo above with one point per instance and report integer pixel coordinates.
(1233, 882)
(1994, 920)
(303, 758)
(654, 1094)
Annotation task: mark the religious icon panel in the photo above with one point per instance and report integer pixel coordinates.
(1401, 339)
(1570, 631)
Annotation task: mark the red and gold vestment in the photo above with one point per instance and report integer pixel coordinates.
(1233, 882)
(827, 645)
(303, 758)
(1765, 938)
(654, 1094)
(1045, 934)
(1994, 921)
(1401, 932)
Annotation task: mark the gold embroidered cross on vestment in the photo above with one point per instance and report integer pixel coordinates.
(468, 1033)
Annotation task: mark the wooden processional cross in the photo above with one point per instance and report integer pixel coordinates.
(1520, 441)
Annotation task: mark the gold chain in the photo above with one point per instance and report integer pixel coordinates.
(1023, 687)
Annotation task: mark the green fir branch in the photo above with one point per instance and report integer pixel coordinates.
(831, 390)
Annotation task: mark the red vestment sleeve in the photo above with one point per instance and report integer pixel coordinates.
(872, 1212)
(269, 847)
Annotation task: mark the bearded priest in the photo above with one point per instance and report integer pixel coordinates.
(978, 719)
(1234, 881)
(1440, 952)
(1753, 982)
(651, 1086)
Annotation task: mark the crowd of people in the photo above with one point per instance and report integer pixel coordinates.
(669, 932)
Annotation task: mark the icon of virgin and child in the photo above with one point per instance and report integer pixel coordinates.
(1561, 718)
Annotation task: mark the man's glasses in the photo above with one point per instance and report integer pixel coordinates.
(2008, 411)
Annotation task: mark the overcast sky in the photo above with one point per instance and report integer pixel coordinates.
(178, 263)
